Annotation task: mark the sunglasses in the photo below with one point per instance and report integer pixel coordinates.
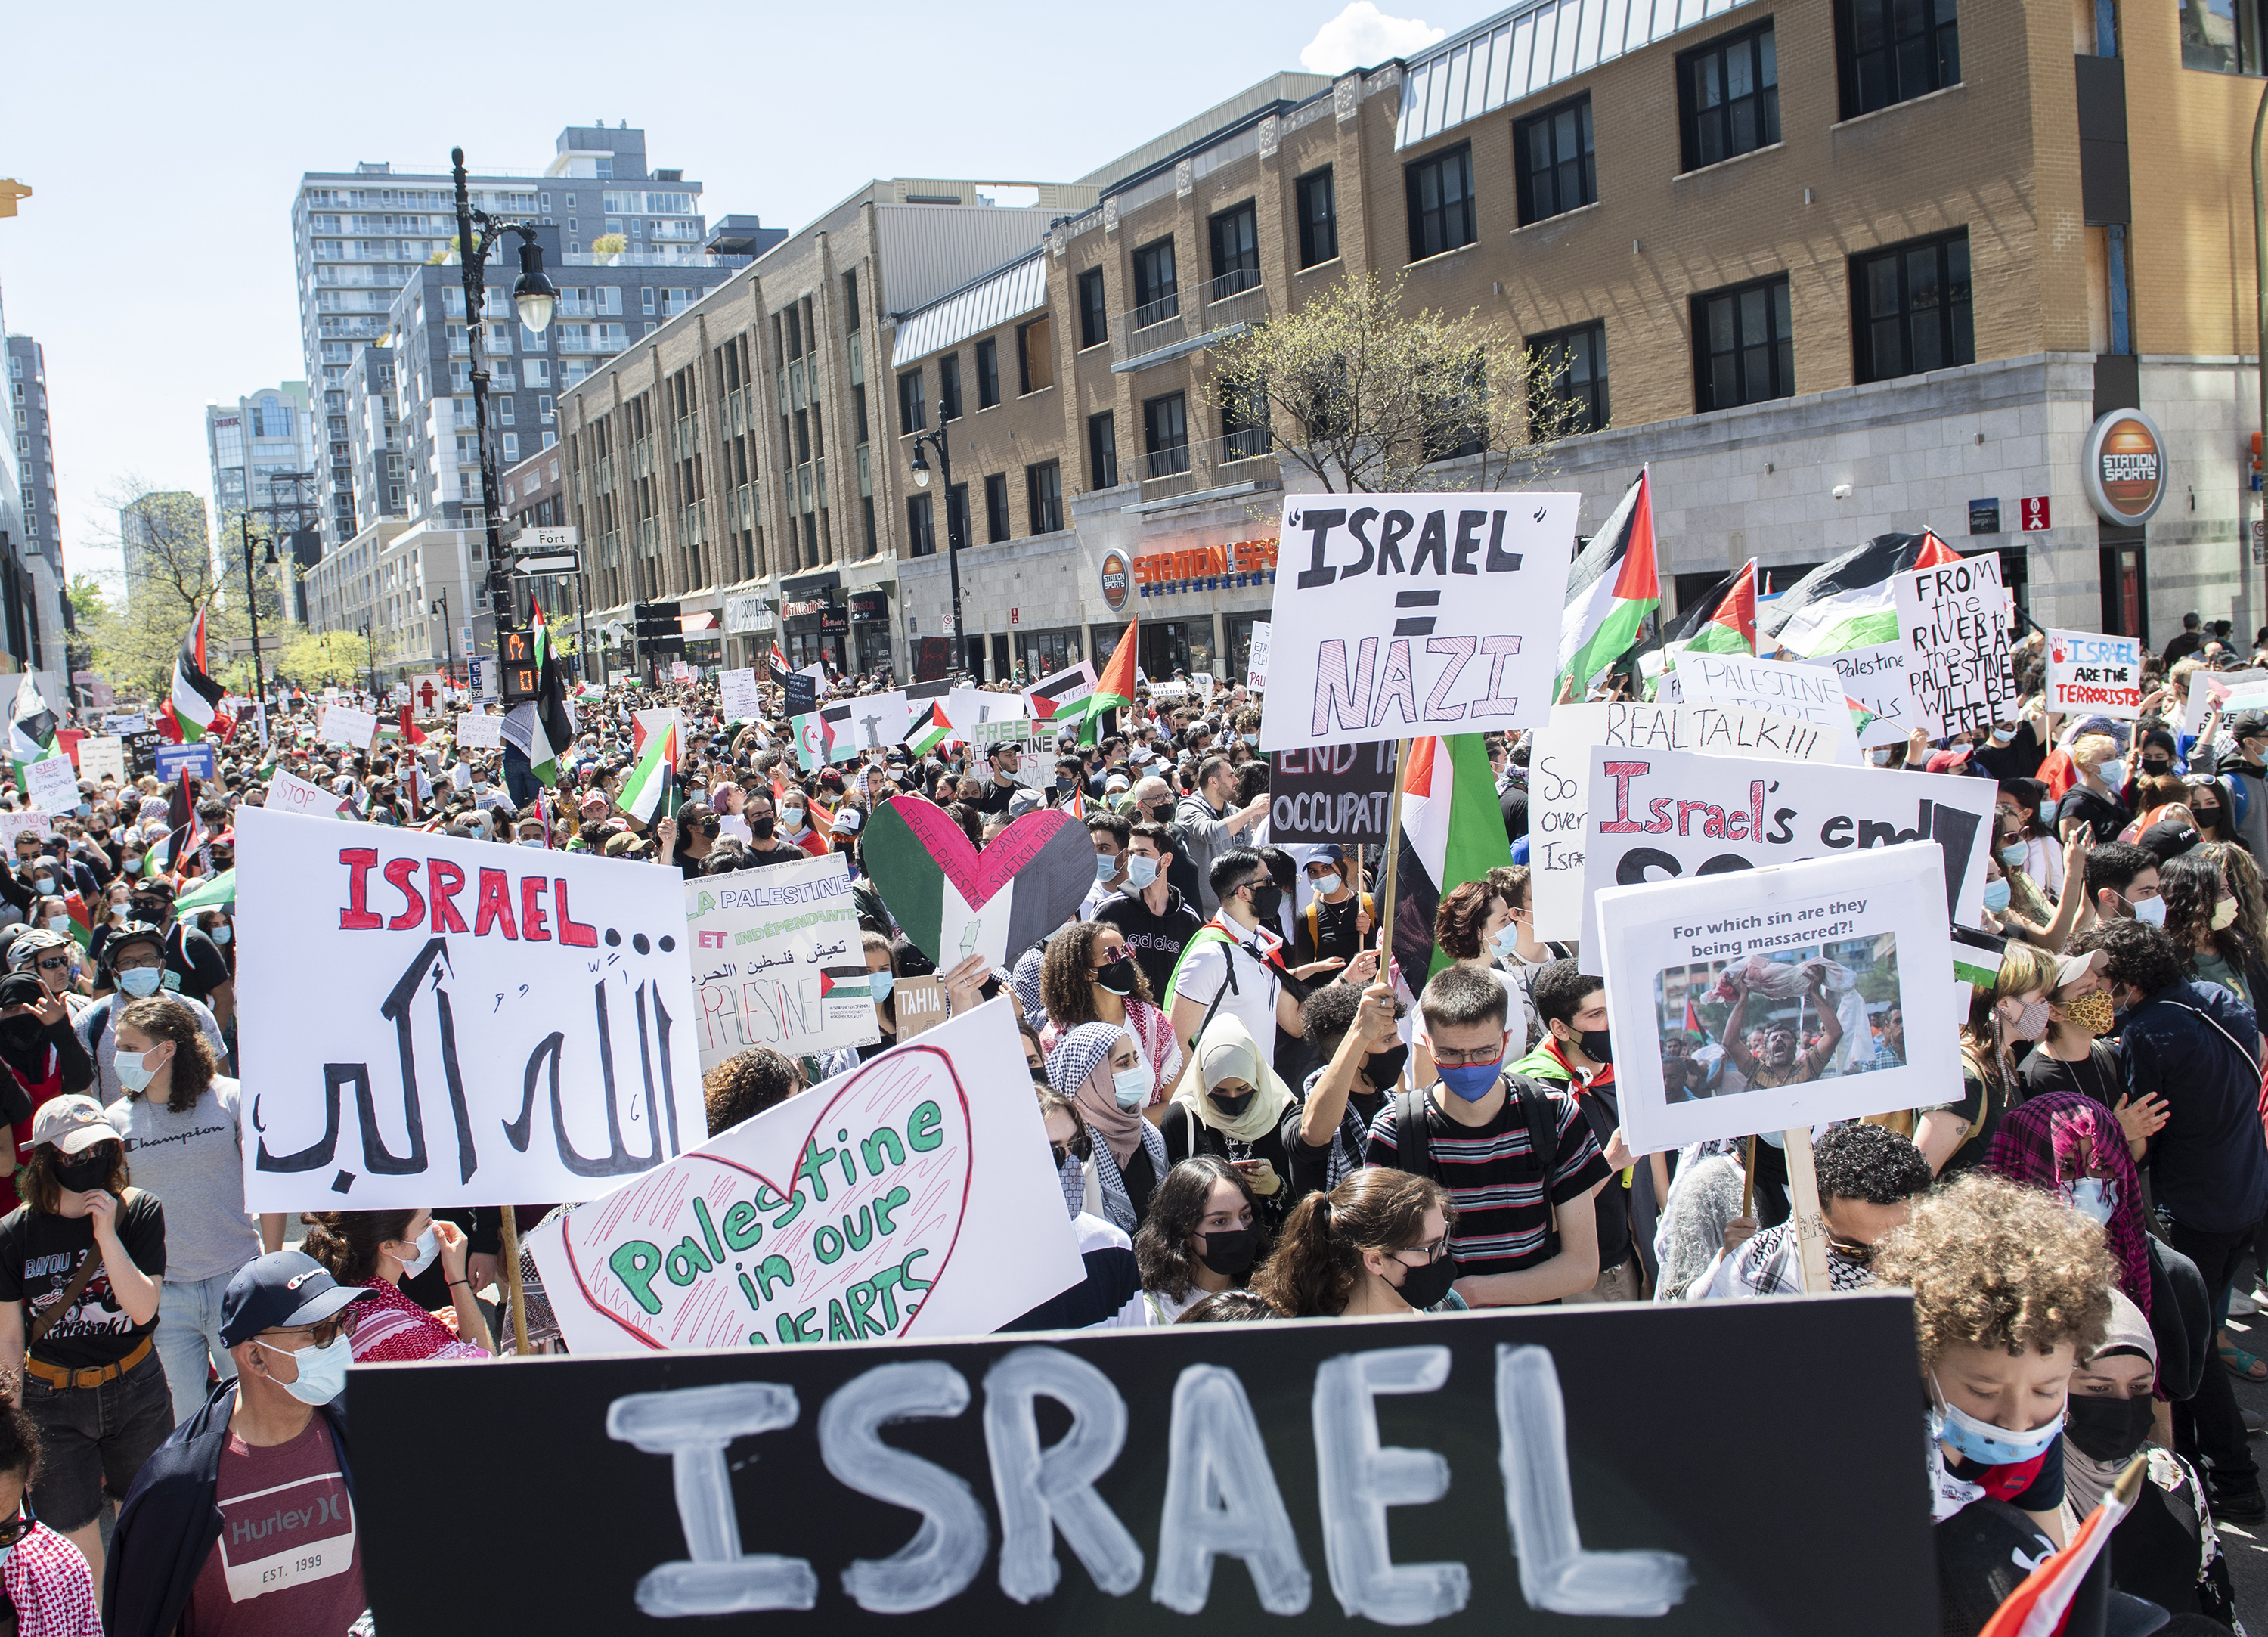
(1082, 1145)
(59, 965)
(18, 1526)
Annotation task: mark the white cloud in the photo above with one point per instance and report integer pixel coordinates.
(1362, 36)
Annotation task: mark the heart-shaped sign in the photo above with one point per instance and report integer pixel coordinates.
(843, 1247)
(953, 901)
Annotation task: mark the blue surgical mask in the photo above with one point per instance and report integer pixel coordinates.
(220, 934)
(1981, 1441)
(2013, 856)
(2090, 1196)
(1326, 884)
(1141, 872)
(132, 1067)
(322, 1370)
(880, 983)
(1996, 895)
(1106, 866)
(1473, 1081)
(1132, 1087)
(141, 982)
(1508, 941)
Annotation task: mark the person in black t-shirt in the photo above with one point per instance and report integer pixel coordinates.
(1337, 919)
(195, 965)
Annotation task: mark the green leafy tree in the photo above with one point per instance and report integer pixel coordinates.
(170, 572)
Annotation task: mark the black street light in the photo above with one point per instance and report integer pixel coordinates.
(535, 297)
(252, 607)
(448, 648)
(937, 440)
(372, 642)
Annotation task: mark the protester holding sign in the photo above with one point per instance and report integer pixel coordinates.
(1363, 1064)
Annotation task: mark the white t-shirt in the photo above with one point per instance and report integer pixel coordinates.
(1250, 1000)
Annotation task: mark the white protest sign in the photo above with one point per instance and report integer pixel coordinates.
(2092, 675)
(1953, 621)
(51, 782)
(818, 675)
(1810, 693)
(737, 693)
(345, 726)
(1017, 747)
(965, 707)
(1816, 954)
(873, 721)
(1558, 779)
(429, 692)
(914, 1196)
(776, 960)
(1875, 679)
(477, 730)
(2208, 686)
(1659, 815)
(1201, 681)
(287, 794)
(498, 1023)
(101, 757)
(1416, 614)
(16, 823)
(1256, 665)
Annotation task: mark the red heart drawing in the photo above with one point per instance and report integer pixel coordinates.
(913, 849)
(708, 1251)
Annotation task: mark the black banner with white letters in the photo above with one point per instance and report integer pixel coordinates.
(1330, 793)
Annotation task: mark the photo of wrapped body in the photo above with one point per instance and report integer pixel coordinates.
(1809, 1013)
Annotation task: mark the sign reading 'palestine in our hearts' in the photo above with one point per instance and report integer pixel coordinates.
(954, 902)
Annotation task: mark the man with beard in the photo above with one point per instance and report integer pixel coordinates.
(1780, 1063)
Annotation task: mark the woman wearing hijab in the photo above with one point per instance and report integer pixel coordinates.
(1097, 1068)
(2071, 1146)
(1238, 1108)
(44, 1057)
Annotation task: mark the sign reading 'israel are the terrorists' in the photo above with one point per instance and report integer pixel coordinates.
(1403, 615)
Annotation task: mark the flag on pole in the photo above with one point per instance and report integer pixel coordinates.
(1847, 602)
(544, 727)
(1452, 832)
(31, 730)
(189, 715)
(931, 729)
(1611, 589)
(651, 791)
(411, 733)
(1725, 622)
(777, 663)
(1114, 690)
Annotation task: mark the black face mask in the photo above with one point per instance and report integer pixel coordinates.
(1232, 1107)
(20, 1034)
(1266, 898)
(87, 1172)
(761, 828)
(1229, 1252)
(1597, 1045)
(2109, 1429)
(152, 911)
(1119, 978)
(1383, 1069)
(1423, 1287)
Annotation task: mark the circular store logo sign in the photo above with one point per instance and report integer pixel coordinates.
(2124, 468)
(1117, 579)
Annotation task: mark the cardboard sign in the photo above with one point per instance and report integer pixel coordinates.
(1559, 780)
(2208, 686)
(776, 960)
(50, 784)
(287, 794)
(1023, 747)
(498, 1024)
(1816, 954)
(1809, 693)
(1660, 814)
(195, 759)
(1277, 1476)
(1875, 679)
(344, 725)
(429, 692)
(1954, 621)
(1336, 793)
(968, 706)
(477, 730)
(16, 823)
(908, 1197)
(858, 723)
(737, 690)
(918, 1004)
(2091, 674)
(954, 902)
(134, 722)
(1416, 615)
(659, 717)
(1255, 664)
(101, 758)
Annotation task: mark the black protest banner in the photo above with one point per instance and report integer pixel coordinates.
(1491, 1473)
(1330, 793)
(142, 751)
(802, 696)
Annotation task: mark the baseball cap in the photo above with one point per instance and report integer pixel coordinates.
(2071, 967)
(847, 822)
(73, 1122)
(2250, 725)
(2169, 838)
(283, 1290)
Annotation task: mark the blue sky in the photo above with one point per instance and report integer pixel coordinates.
(165, 142)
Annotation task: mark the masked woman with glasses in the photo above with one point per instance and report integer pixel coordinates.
(1089, 976)
(380, 1249)
(1376, 1245)
(1202, 1236)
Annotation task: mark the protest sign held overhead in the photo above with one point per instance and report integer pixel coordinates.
(857, 724)
(477, 730)
(51, 782)
(1336, 793)
(498, 1024)
(99, 758)
(343, 725)
(1953, 619)
(1810, 693)
(1410, 615)
(287, 794)
(2208, 688)
(1817, 956)
(1256, 665)
(776, 960)
(1232, 1477)
(737, 695)
(908, 1197)
(954, 902)
(1661, 814)
(1017, 746)
(1874, 681)
(2093, 675)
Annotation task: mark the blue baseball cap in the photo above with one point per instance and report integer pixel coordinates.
(283, 1290)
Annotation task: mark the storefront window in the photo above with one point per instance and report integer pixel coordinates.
(1171, 645)
(1238, 630)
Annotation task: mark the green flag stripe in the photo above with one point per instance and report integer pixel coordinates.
(1617, 634)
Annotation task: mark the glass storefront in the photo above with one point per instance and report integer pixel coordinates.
(804, 646)
(1171, 645)
(872, 642)
(1237, 651)
(1044, 652)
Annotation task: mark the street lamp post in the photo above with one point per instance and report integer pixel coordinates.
(448, 649)
(937, 440)
(2260, 292)
(252, 608)
(373, 643)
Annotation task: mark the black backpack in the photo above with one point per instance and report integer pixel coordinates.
(1413, 1143)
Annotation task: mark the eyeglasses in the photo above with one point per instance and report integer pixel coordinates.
(18, 1526)
(1477, 1057)
(1432, 1251)
(61, 964)
(323, 1332)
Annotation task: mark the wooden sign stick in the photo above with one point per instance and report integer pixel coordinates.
(1393, 857)
(1810, 1225)
(514, 1294)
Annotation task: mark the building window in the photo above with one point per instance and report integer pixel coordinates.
(913, 413)
(988, 372)
(1236, 252)
(1890, 51)
(1743, 349)
(2220, 36)
(1094, 315)
(948, 385)
(1165, 435)
(1319, 219)
(1552, 152)
(1102, 451)
(921, 530)
(1911, 308)
(1728, 94)
(1571, 370)
(851, 304)
(995, 508)
(1035, 354)
(1044, 495)
(1157, 295)
(1441, 203)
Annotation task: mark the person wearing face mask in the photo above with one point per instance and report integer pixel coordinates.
(1110, 834)
(765, 846)
(2202, 920)
(80, 1262)
(1234, 966)
(1236, 1108)
(1337, 920)
(2246, 772)
(1088, 975)
(1378, 1245)
(795, 827)
(1129, 1156)
(1204, 1234)
(2212, 808)
(182, 1122)
(280, 1425)
(2074, 1056)
(193, 964)
(380, 1250)
(131, 967)
(2014, 894)
(2094, 801)
(2003, 1023)
(1110, 1296)
(1473, 926)
(2122, 882)
(1364, 1063)
(1157, 922)
(41, 1063)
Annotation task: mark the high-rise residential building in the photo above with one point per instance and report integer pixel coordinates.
(33, 618)
(35, 449)
(357, 235)
(170, 522)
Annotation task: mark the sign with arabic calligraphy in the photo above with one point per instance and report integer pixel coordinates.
(777, 960)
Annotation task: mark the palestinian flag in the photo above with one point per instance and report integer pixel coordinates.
(1063, 698)
(2041, 1605)
(411, 733)
(216, 893)
(1725, 621)
(540, 729)
(1976, 956)
(777, 662)
(845, 983)
(931, 728)
(1612, 589)
(1114, 690)
(1847, 602)
(31, 730)
(1452, 832)
(651, 791)
(195, 704)
(82, 924)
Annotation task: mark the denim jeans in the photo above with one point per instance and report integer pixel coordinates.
(188, 1330)
(95, 1439)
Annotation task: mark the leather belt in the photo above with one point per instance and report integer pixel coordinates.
(56, 1375)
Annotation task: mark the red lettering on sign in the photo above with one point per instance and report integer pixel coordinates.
(397, 875)
(578, 933)
(444, 880)
(532, 925)
(495, 905)
(357, 916)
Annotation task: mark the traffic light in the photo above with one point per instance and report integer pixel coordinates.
(517, 650)
(658, 628)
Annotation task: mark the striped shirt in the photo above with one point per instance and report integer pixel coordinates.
(1503, 1223)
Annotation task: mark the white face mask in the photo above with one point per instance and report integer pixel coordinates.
(429, 1248)
(1326, 884)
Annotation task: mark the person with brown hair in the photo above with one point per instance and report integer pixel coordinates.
(1089, 975)
(1473, 927)
(2011, 1289)
(1202, 1236)
(380, 1249)
(45, 1586)
(1376, 1244)
(2003, 1022)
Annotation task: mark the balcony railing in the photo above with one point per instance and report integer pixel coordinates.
(1240, 458)
(1182, 322)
